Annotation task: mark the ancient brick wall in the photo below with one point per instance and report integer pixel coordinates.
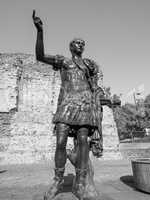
(29, 92)
(110, 135)
(29, 97)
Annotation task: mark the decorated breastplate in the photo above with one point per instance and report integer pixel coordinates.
(74, 76)
(73, 72)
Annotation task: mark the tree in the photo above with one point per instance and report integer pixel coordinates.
(147, 101)
(128, 121)
(121, 119)
(107, 92)
(130, 118)
(147, 111)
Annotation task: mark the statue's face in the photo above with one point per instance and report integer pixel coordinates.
(77, 46)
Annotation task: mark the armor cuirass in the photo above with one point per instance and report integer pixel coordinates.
(75, 106)
(74, 79)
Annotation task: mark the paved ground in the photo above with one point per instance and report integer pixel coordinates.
(28, 182)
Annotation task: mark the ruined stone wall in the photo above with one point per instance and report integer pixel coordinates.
(110, 135)
(28, 100)
(29, 92)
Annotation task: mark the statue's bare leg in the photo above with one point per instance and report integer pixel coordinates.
(83, 153)
(60, 161)
(81, 162)
(90, 191)
(60, 153)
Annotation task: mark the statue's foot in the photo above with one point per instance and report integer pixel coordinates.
(85, 193)
(79, 190)
(91, 192)
(54, 189)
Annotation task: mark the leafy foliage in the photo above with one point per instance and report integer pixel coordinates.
(131, 119)
(147, 111)
(128, 120)
(107, 92)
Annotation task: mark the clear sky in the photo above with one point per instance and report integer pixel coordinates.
(117, 34)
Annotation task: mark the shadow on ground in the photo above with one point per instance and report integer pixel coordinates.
(3, 171)
(128, 180)
(68, 183)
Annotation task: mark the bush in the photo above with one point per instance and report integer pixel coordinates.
(128, 120)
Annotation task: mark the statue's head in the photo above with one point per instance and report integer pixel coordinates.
(77, 46)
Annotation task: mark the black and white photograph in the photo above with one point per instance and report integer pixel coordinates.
(74, 100)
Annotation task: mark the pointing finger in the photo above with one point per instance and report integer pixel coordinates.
(33, 15)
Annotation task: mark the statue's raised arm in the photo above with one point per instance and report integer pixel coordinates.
(39, 50)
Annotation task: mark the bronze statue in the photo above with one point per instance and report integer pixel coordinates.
(78, 115)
